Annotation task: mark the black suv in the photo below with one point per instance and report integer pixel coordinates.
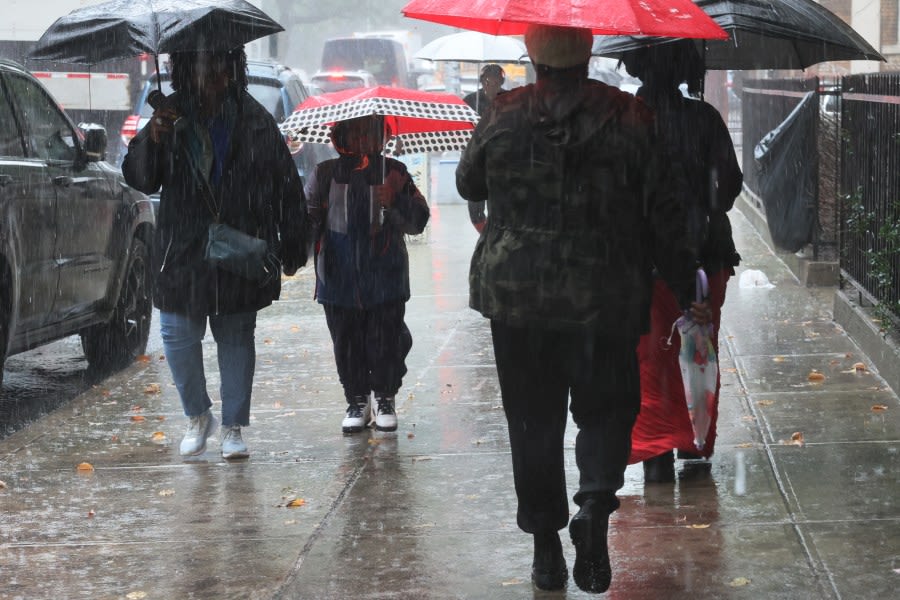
(73, 235)
(276, 87)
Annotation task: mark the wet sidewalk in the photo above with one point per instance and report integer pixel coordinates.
(800, 501)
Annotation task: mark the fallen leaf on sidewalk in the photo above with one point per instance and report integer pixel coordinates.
(698, 526)
(153, 388)
(85, 467)
(778, 359)
(143, 358)
(796, 439)
(158, 437)
(879, 407)
(296, 502)
(860, 366)
(137, 418)
(91, 514)
(815, 376)
(766, 402)
(738, 582)
(745, 445)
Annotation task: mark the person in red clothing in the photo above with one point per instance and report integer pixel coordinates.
(697, 139)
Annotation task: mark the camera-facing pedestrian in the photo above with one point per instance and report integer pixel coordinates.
(582, 207)
(491, 80)
(361, 205)
(216, 156)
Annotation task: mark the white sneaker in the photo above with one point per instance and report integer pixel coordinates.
(233, 445)
(199, 429)
(357, 417)
(383, 411)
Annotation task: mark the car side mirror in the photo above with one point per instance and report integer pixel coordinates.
(95, 141)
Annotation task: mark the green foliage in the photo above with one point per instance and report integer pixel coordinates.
(883, 245)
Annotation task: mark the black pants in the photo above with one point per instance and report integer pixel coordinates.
(538, 371)
(370, 347)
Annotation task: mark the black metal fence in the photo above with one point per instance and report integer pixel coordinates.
(869, 185)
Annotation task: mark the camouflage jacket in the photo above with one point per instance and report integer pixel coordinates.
(581, 210)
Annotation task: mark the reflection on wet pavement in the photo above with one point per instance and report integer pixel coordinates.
(429, 512)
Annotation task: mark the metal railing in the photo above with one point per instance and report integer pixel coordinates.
(869, 185)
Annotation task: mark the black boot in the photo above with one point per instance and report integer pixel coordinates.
(589, 527)
(685, 455)
(548, 571)
(660, 469)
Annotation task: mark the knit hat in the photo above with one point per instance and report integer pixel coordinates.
(558, 47)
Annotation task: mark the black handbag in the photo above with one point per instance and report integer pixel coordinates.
(233, 250)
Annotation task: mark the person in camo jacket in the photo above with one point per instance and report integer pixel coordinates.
(582, 207)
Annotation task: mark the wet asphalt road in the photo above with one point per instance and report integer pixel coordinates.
(429, 512)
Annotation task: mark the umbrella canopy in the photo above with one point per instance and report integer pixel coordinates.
(475, 47)
(699, 367)
(770, 34)
(671, 18)
(124, 28)
(420, 121)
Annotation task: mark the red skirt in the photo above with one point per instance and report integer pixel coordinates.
(664, 423)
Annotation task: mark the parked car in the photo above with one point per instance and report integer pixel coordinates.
(73, 236)
(336, 81)
(276, 87)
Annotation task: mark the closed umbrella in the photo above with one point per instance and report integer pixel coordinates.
(770, 34)
(699, 367)
(672, 18)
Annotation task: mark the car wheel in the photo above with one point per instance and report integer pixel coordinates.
(117, 343)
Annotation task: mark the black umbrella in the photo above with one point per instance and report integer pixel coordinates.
(124, 28)
(764, 34)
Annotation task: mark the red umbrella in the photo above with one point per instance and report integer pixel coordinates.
(421, 121)
(664, 18)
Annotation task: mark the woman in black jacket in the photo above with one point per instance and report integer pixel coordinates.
(696, 138)
(217, 155)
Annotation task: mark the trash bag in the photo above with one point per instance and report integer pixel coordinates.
(787, 175)
(699, 366)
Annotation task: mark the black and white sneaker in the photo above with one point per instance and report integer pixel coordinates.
(383, 413)
(357, 417)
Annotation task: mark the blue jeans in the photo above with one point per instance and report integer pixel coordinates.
(235, 344)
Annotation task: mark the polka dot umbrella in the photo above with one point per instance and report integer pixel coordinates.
(420, 121)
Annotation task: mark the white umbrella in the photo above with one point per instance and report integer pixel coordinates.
(476, 47)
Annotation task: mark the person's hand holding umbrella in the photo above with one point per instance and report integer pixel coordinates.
(386, 192)
(700, 313)
(162, 123)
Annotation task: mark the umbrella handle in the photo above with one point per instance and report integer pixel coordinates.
(702, 285)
